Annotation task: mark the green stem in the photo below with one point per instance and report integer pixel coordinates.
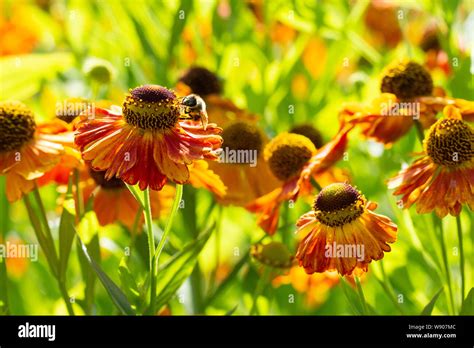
(136, 195)
(36, 224)
(174, 210)
(157, 252)
(461, 254)
(316, 184)
(47, 243)
(44, 221)
(361, 295)
(66, 298)
(151, 244)
(385, 283)
(79, 196)
(444, 253)
(217, 236)
(259, 289)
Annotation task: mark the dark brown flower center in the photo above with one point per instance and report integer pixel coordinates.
(450, 142)
(99, 178)
(335, 197)
(407, 80)
(309, 132)
(17, 125)
(151, 107)
(287, 153)
(202, 81)
(242, 136)
(338, 204)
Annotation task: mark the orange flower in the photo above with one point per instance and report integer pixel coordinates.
(17, 36)
(18, 264)
(71, 159)
(381, 19)
(443, 178)
(282, 34)
(342, 232)
(315, 287)
(293, 158)
(113, 202)
(27, 150)
(315, 51)
(148, 142)
(408, 94)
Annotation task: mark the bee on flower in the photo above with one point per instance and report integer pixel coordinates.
(148, 141)
(245, 178)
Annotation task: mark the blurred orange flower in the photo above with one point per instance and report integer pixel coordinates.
(113, 202)
(315, 287)
(443, 178)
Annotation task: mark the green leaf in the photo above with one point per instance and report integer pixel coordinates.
(117, 296)
(128, 281)
(467, 307)
(66, 232)
(173, 274)
(227, 281)
(429, 307)
(22, 76)
(88, 274)
(230, 312)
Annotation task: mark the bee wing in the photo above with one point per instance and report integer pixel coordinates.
(204, 118)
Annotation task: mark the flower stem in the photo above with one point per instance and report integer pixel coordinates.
(79, 196)
(461, 254)
(444, 253)
(47, 243)
(316, 184)
(151, 243)
(66, 298)
(174, 210)
(44, 221)
(136, 195)
(361, 295)
(217, 246)
(161, 244)
(387, 286)
(259, 289)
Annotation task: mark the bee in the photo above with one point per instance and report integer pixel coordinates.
(194, 108)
